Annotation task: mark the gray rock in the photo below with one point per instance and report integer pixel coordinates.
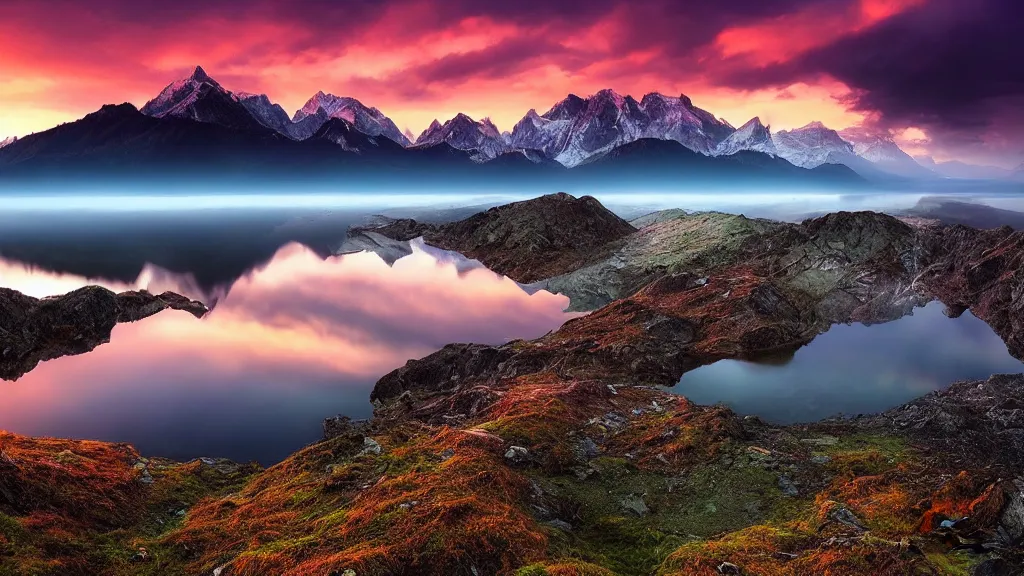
(787, 486)
(336, 426)
(517, 455)
(560, 524)
(728, 568)
(635, 504)
(1011, 523)
(370, 446)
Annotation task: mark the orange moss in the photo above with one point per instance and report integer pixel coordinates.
(677, 438)
(964, 496)
(83, 481)
(439, 501)
(771, 551)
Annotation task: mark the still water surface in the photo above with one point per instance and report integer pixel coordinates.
(289, 343)
(853, 369)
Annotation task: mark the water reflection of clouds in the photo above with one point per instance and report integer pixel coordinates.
(298, 340)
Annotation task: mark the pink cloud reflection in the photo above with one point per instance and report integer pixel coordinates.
(298, 340)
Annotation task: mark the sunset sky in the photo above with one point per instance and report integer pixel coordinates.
(943, 75)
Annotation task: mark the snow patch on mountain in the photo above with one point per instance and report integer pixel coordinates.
(8, 141)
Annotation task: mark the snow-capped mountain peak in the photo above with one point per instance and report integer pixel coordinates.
(201, 98)
(577, 129)
(463, 133)
(323, 106)
(880, 148)
(200, 75)
(266, 112)
(812, 145)
(751, 136)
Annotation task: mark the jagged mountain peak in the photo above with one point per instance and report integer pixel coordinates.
(200, 75)
(199, 97)
(366, 119)
(576, 129)
(461, 132)
(753, 135)
(880, 147)
(814, 125)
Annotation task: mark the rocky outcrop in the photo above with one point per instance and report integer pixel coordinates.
(980, 270)
(771, 288)
(535, 239)
(974, 424)
(526, 241)
(34, 330)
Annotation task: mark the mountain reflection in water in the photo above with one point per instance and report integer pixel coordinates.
(291, 343)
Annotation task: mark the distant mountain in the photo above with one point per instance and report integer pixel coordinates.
(882, 150)
(345, 134)
(8, 140)
(119, 138)
(578, 129)
(202, 99)
(813, 145)
(482, 139)
(671, 162)
(266, 112)
(321, 106)
(963, 170)
(753, 136)
(118, 142)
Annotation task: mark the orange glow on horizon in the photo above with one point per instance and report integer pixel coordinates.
(413, 76)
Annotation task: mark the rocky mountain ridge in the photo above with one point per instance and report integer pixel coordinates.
(573, 132)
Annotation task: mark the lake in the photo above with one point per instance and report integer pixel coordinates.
(854, 369)
(292, 341)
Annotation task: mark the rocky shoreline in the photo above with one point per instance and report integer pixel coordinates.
(562, 456)
(34, 330)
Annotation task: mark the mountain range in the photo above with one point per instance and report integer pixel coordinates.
(197, 120)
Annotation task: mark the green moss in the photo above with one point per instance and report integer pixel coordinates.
(953, 563)
(709, 500)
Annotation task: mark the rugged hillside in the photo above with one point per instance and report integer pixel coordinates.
(73, 508)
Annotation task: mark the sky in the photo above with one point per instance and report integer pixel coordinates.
(942, 76)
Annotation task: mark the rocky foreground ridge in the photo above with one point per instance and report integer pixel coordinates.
(559, 457)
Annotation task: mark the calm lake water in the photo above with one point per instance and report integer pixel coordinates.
(296, 335)
(853, 369)
(296, 340)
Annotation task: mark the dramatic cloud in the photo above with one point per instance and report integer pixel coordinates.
(945, 68)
